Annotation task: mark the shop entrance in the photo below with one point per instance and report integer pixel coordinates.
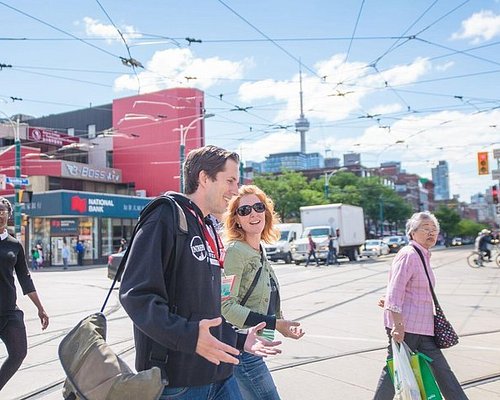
(56, 245)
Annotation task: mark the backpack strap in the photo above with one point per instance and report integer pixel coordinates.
(179, 218)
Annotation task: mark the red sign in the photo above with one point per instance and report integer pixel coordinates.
(78, 204)
(49, 136)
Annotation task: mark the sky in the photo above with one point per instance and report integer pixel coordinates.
(409, 81)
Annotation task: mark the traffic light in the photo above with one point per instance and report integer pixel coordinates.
(494, 194)
(24, 196)
(482, 163)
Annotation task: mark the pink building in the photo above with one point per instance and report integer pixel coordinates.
(146, 143)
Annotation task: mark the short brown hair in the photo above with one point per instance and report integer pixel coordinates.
(211, 159)
(270, 234)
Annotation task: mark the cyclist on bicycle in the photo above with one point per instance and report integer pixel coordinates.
(482, 244)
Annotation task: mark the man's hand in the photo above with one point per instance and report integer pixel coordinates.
(259, 346)
(212, 349)
(289, 329)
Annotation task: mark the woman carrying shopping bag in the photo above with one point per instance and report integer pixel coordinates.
(409, 307)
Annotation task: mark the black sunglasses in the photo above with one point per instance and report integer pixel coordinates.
(243, 211)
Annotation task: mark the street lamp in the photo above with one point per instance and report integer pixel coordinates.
(183, 130)
(17, 205)
(328, 175)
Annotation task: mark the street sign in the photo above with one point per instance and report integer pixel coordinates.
(495, 174)
(17, 181)
(496, 153)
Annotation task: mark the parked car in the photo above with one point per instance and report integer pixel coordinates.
(374, 248)
(395, 243)
(114, 261)
(456, 241)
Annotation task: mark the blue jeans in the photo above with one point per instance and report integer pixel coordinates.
(225, 390)
(332, 257)
(254, 379)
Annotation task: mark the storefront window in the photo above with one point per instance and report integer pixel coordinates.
(41, 239)
(106, 236)
(85, 234)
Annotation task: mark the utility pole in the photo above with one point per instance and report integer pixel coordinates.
(381, 215)
(17, 200)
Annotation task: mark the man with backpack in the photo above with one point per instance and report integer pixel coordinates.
(171, 286)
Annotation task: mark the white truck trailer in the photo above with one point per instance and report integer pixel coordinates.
(343, 221)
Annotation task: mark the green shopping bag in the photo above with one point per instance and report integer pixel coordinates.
(429, 389)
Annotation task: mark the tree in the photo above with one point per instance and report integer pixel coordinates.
(469, 228)
(287, 192)
(448, 220)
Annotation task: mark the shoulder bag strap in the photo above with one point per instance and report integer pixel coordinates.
(436, 302)
(255, 280)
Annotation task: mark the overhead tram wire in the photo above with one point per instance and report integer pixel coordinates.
(269, 39)
(131, 61)
(393, 46)
(463, 52)
(60, 30)
(442, 17)
(175, 40)
(354, 32)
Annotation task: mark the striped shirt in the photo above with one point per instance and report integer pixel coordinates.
(408, 291)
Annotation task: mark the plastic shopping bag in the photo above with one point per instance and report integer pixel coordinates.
(429, 389)
(425, 378)
(405, 383)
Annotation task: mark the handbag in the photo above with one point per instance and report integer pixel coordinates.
(444, 334)
(429, 389)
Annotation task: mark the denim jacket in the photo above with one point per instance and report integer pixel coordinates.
(243, 261)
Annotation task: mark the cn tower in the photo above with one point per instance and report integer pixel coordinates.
(302, 124)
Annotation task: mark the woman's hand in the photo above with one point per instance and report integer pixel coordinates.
(290, 329)
(381, 302)
(398, 333)
(44, 318)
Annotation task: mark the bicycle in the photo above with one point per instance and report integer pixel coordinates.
(476, 259)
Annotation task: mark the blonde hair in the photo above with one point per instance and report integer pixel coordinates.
(232, 229)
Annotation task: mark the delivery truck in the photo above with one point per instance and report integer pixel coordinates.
(344, 222)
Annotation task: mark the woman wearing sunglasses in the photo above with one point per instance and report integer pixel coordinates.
(255, 295)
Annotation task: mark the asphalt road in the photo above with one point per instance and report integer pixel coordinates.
(340, 356)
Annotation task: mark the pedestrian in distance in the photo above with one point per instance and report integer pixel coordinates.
(332, 251)
(80, 251)
(123, 245)
(12, 328)
(40, 258)
(178, 325)
(255, 295)
(311, 250)
(65, 254)
(409, 309)
(34, 259)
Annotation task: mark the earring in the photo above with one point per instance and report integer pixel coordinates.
(238, 226)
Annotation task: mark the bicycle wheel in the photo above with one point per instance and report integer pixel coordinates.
(473, 260)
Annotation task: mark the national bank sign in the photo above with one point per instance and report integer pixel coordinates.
(84, 204)
(84, 171)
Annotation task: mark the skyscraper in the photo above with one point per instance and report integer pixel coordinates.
(441, 181)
